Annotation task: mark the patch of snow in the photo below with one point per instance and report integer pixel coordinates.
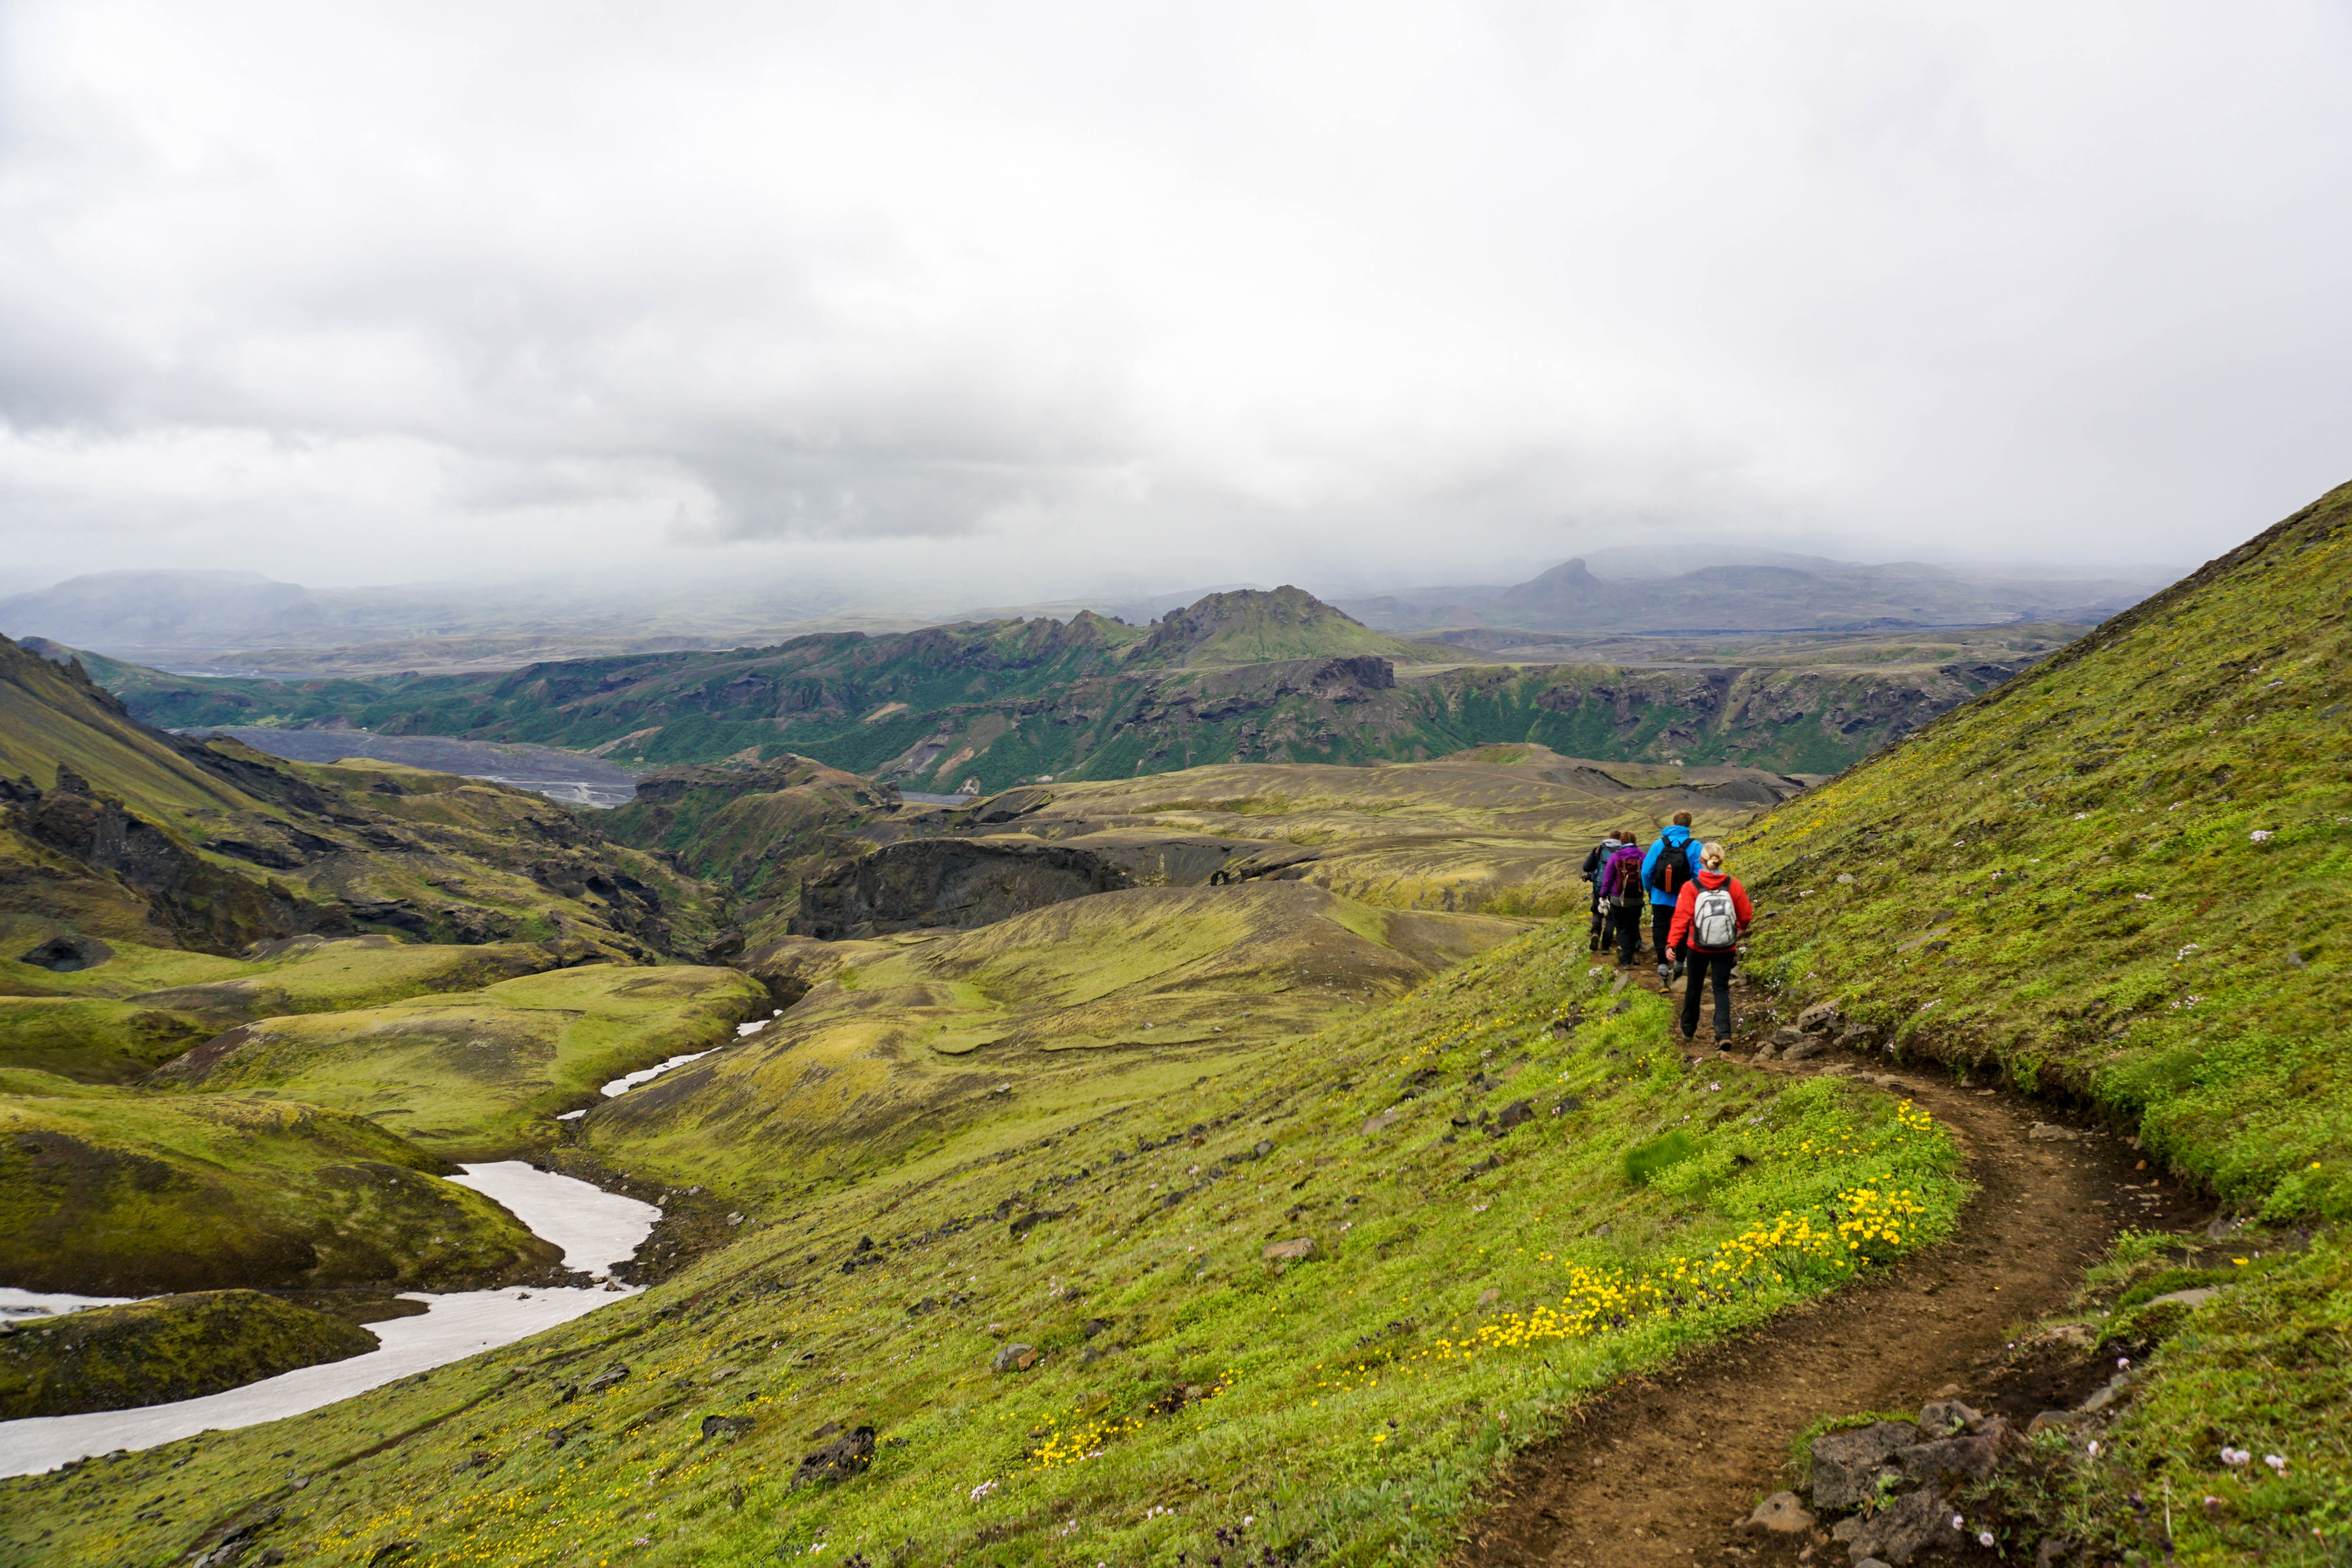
(596, 1229)
(16, 1305)
(622, 1085)
(572, 1115)
(754, 1027)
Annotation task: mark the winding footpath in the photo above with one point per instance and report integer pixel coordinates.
(1660, 1469)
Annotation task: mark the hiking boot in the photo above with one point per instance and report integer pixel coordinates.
(1665, 974)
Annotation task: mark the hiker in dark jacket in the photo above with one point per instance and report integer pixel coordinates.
(1665, 871)
(1711, 914)
(1619, 887)
(1594, 859)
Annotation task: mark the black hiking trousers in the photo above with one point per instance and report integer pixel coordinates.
(1625, 929)
(1704, 964)
(1662, 921)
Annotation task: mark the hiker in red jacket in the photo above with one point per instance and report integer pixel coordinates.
(1710, 917)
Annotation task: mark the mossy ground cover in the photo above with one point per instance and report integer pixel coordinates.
(1190, 1399)
(2129, 877)
(111, 1192)
(163, 1349)
(121, 1018)
(480, 1074)
(906, 1042)
(1498, 830)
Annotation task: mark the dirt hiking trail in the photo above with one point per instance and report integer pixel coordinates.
(1660, 1469)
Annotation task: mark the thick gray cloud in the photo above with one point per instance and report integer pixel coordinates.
(1017, 298)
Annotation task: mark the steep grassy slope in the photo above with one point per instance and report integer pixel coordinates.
(904, 1043)
(479, 1074)
(114, 829)
(112, 1193)
(2126, 878)
(1472, 1267)
(757, 831)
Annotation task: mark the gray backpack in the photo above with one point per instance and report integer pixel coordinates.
(1715, 919)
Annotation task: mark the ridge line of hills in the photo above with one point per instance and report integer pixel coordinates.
(1247, 676)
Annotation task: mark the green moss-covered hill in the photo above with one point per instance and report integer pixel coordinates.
(2127, 878)
(112, 829)
(479, 1074)
(138, 1006)
(907, 1042)
(111, 1192)
(163, 1349)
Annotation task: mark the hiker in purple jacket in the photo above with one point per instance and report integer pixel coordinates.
(1620, 890)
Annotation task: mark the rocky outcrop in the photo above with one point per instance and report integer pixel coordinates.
(953, 882)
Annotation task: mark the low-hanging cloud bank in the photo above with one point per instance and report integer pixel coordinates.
(1026, 293)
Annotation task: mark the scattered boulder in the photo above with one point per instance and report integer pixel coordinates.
(1014, 1356)
(847, 1455)
(2050, 1133)
(1283, 1254)
(1947, 1417)
(1912, 1524)
(612, 1376)
(1803, 1046)
(1820, 1018)
(1383, 1120)
(1949, 1461)
(67, 951)
(2116, 1388)
(1780, 1514)
(1519, 1111)
(726, 1425)
(1847, 1464)
(2191, 1299)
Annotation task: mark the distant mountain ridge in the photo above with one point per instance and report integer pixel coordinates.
(1755, 596)
(224, 622)
(1256, 676)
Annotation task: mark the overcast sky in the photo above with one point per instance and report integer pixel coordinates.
(1025, 297)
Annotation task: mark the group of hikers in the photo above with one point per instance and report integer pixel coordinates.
(1697, 913)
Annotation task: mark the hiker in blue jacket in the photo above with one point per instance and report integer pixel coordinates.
(1664, 869)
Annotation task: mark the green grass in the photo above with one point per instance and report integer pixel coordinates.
(1349, 1406)
(2129, 877)
(479, 1074)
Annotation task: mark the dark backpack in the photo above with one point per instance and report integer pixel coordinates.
(1673, 869)
(1621, 879)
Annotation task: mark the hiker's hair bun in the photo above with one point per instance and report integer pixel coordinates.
(1711, 857)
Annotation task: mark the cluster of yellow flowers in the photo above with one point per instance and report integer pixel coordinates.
(1084, 1437)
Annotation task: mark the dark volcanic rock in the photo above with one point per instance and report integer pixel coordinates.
(1847, 1464)
(1905, 1530)
(64, 953)
(956, 882)
(845, 1456)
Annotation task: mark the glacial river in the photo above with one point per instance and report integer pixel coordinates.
(596, 1230)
